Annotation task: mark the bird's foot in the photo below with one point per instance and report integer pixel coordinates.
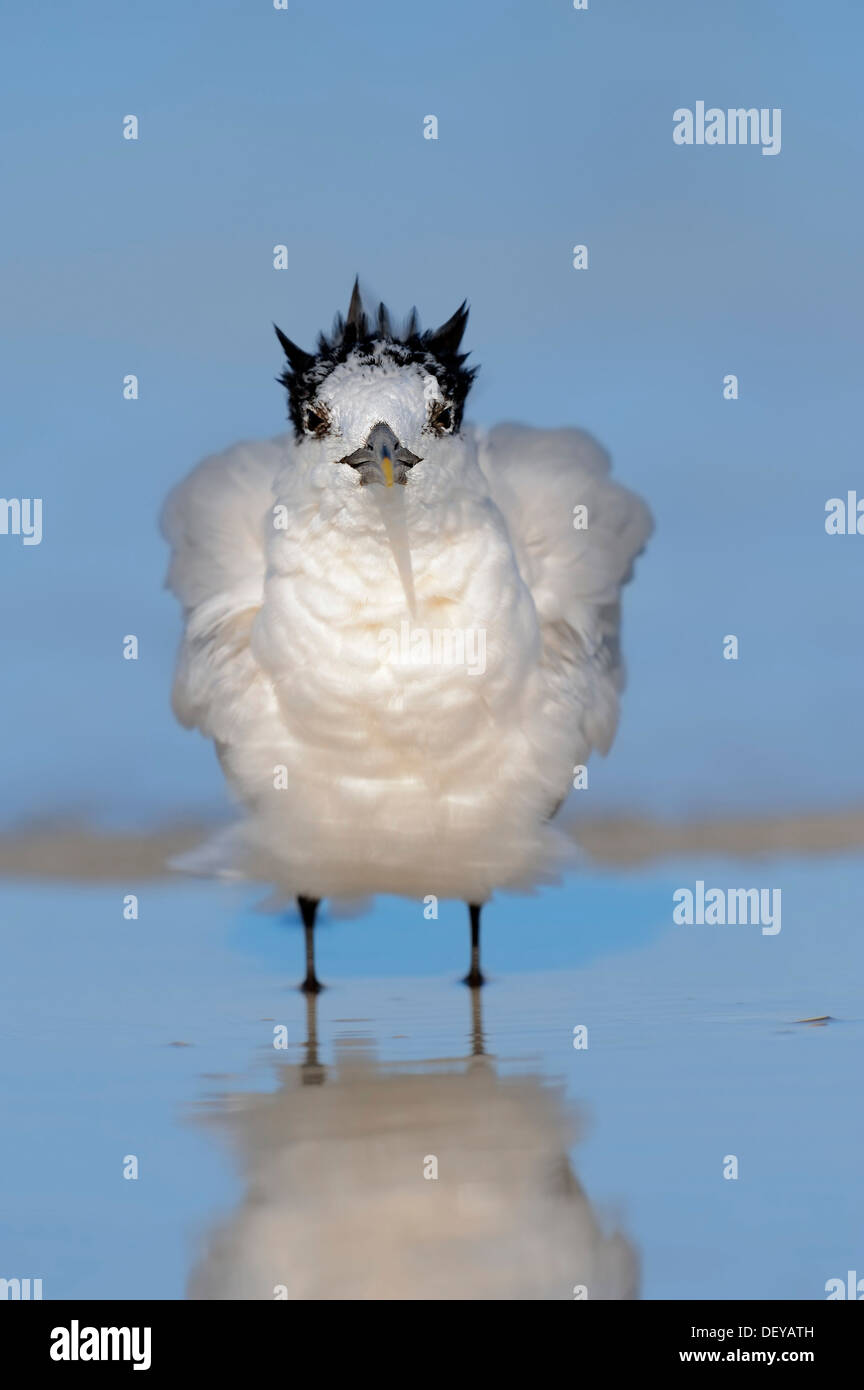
(311, 985)
(474, 979)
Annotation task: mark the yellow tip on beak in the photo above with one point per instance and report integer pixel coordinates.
(387, 469)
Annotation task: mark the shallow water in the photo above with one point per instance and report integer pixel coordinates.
(154, 1038)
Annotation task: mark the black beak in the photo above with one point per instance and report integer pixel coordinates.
(382, 458)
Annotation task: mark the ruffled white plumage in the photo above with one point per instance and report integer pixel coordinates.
(408, 779)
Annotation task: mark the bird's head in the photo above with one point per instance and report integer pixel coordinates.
(377, 400)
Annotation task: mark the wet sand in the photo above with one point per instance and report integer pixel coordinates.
(282, 1147)
(81, 854)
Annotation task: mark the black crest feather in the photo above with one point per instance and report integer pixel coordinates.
(436, 350)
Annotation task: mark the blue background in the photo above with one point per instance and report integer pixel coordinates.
(305, 127)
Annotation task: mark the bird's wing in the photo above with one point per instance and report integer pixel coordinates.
(216, 522)
(537, 477)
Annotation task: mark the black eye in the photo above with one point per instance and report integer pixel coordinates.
(316, 420)
(441, 417)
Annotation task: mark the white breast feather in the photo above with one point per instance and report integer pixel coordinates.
(409, 781)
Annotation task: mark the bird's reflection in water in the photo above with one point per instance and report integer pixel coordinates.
(342, 1199)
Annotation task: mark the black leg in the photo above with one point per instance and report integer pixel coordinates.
(308, 908)
(474, 977)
